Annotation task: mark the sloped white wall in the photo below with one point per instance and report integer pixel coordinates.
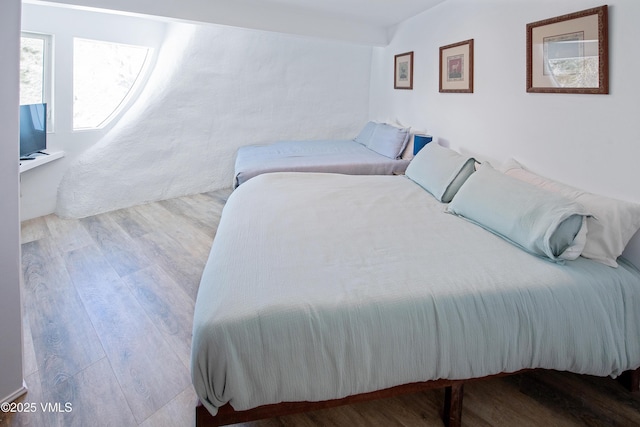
(213, 90)
(591, 141)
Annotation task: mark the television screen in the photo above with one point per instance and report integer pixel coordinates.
(33, 129)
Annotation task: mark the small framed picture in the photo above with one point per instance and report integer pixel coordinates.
(569, 53)
(403, 74)
(456, 67)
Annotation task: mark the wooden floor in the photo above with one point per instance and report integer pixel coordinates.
(108, 303)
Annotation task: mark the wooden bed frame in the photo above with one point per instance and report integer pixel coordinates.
(451, 414)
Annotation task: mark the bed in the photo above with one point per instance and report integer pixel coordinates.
(354, 287)
(377, 150)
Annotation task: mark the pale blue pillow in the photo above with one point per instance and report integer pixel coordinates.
(440, 171)
(388, 140)
(540, 222)
(365, 134)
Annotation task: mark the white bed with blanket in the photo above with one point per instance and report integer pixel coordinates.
(322, 286)
(377, 150)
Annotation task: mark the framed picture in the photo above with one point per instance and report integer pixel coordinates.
(456, 67)
(403, 74)
(569, 53)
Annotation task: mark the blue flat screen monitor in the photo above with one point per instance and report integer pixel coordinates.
(33, 128)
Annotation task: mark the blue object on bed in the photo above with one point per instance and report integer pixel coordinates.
(419, 141)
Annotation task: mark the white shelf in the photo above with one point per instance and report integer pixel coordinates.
(40, 159)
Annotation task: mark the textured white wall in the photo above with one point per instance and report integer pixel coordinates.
(214, 89)
(591, 141)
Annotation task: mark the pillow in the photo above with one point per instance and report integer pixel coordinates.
(542, 223)
(388, 140)
(365, 134)
(576, 249)
(440, 171)
(613, 224)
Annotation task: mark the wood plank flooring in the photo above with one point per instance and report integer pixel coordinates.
(108, 305)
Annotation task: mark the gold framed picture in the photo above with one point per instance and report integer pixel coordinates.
(569, 53)
(456, 67)
(403, 72)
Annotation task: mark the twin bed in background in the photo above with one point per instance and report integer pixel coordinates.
(377, 150)
(345, 288)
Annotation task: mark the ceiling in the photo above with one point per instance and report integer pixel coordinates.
(359, 21)
(382, 13)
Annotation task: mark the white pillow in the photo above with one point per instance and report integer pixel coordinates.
(440, 170)
(388, 140)
(541, 222)
(579, 242)
(365, 134)
(613, 224)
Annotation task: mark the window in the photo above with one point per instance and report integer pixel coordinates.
(35, 71)
(104, 75)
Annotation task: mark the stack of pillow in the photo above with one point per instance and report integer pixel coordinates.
(387, 140)
(544, 217)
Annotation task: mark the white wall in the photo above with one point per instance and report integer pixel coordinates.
(39, 186)
(10, 318)
(214, 89)
(592, 141)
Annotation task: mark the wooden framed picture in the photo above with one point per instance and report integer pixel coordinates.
(569, 53)
(403, 74)
(456, 67)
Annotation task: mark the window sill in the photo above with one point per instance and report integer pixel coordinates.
(40, 160)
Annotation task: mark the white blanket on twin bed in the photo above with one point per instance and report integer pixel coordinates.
(320, 286)
(335, 156)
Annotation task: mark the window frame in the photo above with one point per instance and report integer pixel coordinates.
(47, 83)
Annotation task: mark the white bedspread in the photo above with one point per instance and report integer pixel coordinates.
(335, 156)
(320, 286)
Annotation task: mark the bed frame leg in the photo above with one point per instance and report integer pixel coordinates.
(631, 380)
(452, 415)
(204, 417)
